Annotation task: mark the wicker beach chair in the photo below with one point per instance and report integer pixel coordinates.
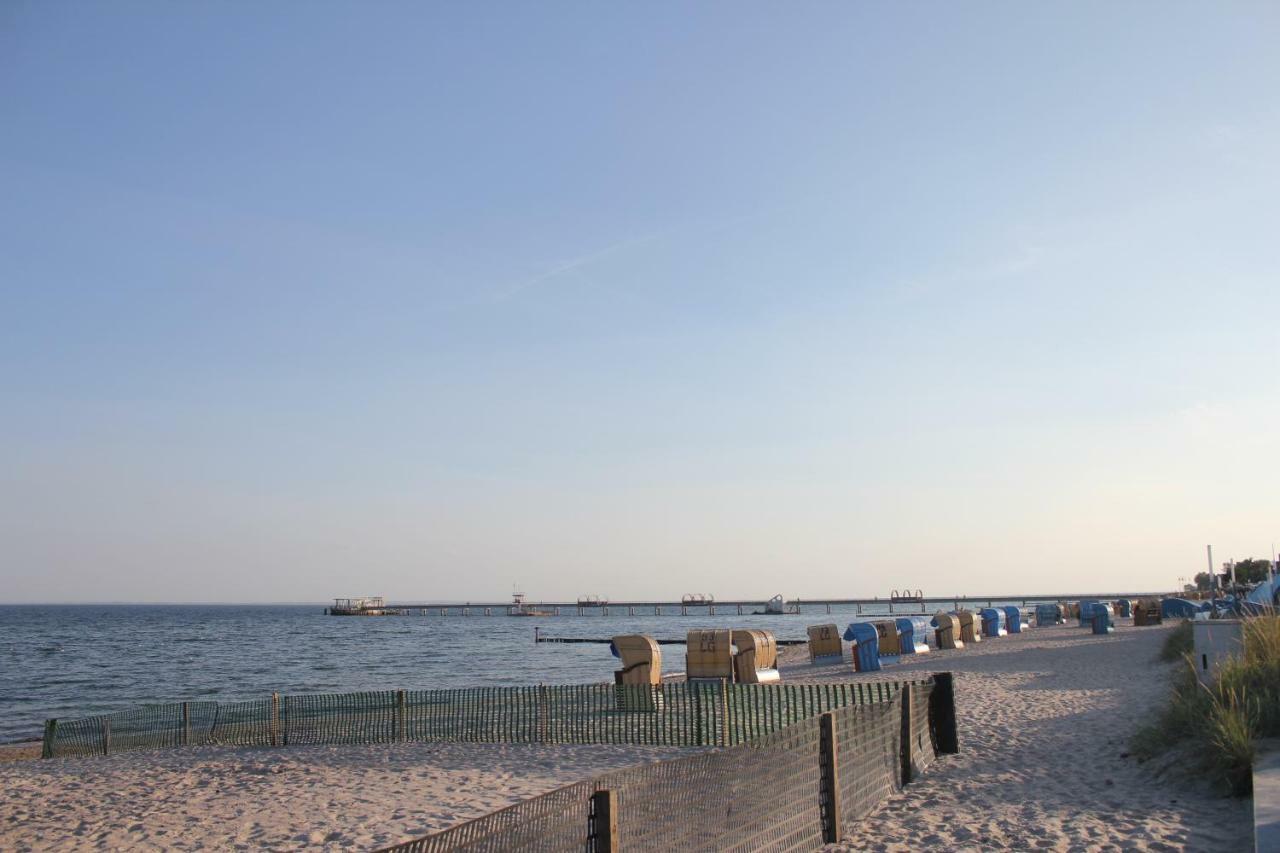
(1147, 612)
(641, 658)
(756, 659)
(970, 627)
(709, 656)
(640, 679)
(947, 631)
(890, 638)
(824, 644)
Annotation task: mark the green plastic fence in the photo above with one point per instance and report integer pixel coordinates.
(669, 714)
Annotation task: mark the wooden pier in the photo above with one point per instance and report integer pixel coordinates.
(706, 606)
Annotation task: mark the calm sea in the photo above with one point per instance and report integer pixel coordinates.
(73, 661)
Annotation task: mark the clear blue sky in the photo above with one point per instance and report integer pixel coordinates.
(304, 299)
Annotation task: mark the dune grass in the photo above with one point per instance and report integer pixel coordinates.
(1178, 644)
(1221, 722)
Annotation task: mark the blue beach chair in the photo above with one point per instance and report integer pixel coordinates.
(1013, 619)
(866, 646)
(992, 622)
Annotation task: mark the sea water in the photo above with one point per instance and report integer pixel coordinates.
(70, 661)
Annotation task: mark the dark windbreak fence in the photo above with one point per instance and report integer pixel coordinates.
(669, 714)
(795, 788)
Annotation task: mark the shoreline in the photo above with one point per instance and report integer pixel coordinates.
(1044, 722)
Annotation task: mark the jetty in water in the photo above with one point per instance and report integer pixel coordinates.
(706, 605)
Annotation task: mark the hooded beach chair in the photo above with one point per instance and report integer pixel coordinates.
(1048, 614)
(1147, 612)
(824, 644)
(709, 656)
(1124, 608)
(947, 631)
(756, 659)
(1101, 618)
(970, 629)
(888, 638)
(641, 674)
(866, 645)
(913, 633)
(992, 622)
(1013, 619)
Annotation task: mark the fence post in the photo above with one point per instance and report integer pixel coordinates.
(400, 708)
(275, 719)
(186, 723)
(904, 747)
(697, 713)
(50, 736)
(942, 714)
(724, 713)
(542, 713)
(602, 829)
(829, 768)
(106, 736)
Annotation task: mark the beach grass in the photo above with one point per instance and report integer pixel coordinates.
(1221, 722)
(1178, 644)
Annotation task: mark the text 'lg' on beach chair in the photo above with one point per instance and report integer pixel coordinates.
(709, 656)
(756, 658)
(638, 682)
(866, 645)
(970, 629)
(824, 644)
(889, 639)
(947, 631)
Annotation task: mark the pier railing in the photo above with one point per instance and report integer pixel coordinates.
(668, 714)
(795, 788)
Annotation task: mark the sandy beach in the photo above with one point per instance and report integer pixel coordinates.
(1044, 722)
(335, 798)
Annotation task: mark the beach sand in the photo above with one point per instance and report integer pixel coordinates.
(1044, 720)
(337, 798)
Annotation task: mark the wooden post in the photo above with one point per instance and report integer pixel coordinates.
(106, 736)
(275, 719)
(905, 741)
(401, 703)
(829, 767)
(186, 723)
(542, 713)
(50, 737)
(942, 714)
(724, 713)
(602, 833)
